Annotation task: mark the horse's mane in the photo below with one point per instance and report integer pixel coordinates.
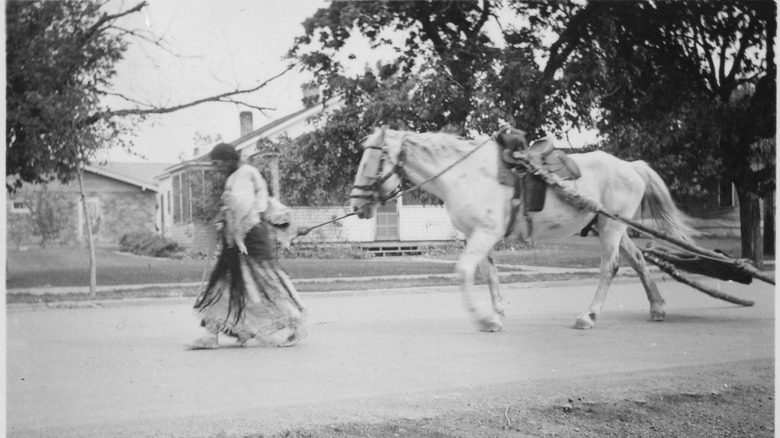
(437, 144)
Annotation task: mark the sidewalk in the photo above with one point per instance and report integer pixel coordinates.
(503, 271)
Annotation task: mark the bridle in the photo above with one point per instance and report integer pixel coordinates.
(380, 179)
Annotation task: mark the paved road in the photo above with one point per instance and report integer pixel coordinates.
(121, 370)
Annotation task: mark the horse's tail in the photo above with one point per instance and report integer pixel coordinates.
(658, 202)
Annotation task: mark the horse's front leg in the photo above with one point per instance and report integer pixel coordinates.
(488, 269)
(478, 246)
(610, 233)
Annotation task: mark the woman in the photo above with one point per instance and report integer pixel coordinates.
(248, 295)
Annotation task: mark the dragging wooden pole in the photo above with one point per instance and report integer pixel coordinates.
(585, 203)
(669, 269)
(741, 264)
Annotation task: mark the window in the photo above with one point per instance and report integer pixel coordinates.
(725, 194)
(187, 196)
(198, 193)
(161, 209)
(186, 209)
(19, 207)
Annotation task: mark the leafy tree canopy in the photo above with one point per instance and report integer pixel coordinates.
(657, 78)
(687, 86)
(60, 58)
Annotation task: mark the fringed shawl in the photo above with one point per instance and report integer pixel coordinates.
(245, 198)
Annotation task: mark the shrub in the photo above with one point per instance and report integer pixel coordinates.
(47, 216)
(149, 244)
(323, 251)
(18, 229)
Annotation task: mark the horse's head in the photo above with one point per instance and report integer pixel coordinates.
(377, 176)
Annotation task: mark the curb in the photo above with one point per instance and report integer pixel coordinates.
(506, 270)
(185, 300)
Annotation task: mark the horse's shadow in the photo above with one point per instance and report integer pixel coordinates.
(705, 316)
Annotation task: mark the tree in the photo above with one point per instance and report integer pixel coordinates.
(60, 59)
(445, 38)
(690, 87)
(664, 81)
(432, 83)
(19, 227)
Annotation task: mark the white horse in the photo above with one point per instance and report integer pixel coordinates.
(479, 206)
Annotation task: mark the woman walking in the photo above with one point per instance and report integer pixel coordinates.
(248, 295)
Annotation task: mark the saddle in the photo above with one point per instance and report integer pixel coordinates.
(529, 189)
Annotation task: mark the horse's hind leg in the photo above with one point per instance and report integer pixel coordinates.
(637, 262)
(488, 269)
(610, 233)
(478, 246)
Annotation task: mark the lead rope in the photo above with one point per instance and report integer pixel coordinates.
(400, 192)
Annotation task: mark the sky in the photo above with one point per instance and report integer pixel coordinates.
(211, 47)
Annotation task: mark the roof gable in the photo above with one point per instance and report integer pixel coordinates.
(249, 139)
(138, 174)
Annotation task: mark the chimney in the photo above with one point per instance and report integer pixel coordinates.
(246, 122)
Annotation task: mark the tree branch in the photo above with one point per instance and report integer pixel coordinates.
(95, 28)
(744, 43)
(482, 19)
(240, 102)
(432, 34)
(722, 65)
(123, 97)
(710, 76)
(223, 97)
(566, 43)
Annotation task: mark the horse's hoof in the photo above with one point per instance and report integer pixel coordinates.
(490, 324)
(583, 322)
(657, 316)
(204, 343)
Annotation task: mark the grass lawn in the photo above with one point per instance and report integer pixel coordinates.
(584, 252)
(70, 267)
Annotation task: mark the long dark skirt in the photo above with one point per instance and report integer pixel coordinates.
(249, 295)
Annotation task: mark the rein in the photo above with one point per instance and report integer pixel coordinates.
(398, 169)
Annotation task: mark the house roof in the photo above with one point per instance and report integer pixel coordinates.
(137, 174)
(268, 127)
(241, 142)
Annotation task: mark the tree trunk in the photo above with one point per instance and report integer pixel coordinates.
(90, 242)
(750, 227)
(769, 224)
